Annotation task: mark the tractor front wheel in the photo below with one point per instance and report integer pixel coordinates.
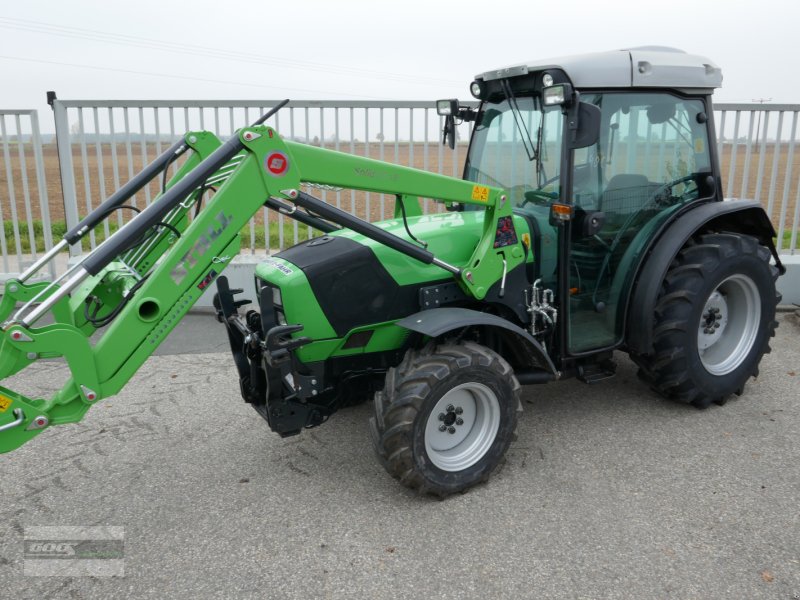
(446, 417)
(714, 316)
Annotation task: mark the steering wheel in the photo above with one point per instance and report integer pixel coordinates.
(661, 198)
(538, 197)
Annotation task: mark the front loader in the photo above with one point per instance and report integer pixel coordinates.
(589, 219)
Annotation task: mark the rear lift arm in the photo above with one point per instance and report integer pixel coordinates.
(254, 166)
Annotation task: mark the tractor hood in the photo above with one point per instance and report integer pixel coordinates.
(354, 280)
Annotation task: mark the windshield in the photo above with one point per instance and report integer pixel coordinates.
(498, 155)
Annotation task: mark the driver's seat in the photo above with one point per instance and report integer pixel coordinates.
(625, 194)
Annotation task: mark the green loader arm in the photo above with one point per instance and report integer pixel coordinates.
(21, 290)
(257, 165)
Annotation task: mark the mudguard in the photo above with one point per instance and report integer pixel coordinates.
(740, 216)
(438, 321)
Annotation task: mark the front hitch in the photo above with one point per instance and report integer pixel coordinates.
(278, 346)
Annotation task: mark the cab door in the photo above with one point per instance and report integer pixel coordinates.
(651, 158)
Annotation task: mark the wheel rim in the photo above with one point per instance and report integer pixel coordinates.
(462, 426)
(729, 324)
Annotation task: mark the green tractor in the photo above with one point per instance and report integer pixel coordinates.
(589, 219)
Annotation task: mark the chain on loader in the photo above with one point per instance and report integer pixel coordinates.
(590, 219)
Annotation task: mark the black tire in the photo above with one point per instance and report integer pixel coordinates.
(450, 375)
(713, 320)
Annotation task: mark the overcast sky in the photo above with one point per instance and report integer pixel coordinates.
(347, 49)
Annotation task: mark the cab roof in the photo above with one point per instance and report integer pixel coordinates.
(646, 66)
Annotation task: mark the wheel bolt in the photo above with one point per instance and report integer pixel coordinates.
(442, 428)
(459, 410)
(451, 429)
(450, 408)
(716, 325)
(459, 421)
(441, 416)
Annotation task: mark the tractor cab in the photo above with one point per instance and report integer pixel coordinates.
(597, 153)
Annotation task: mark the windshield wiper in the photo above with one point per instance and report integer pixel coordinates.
(530, 150)
(539, 163)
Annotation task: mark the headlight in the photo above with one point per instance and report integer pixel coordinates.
(553, 95)
(446, 108)
(276, 296)
(477, 89)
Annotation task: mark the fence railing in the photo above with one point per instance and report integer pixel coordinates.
(756, 144)
(26, 228)
(101, 144)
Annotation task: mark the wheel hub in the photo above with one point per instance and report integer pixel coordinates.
(451, 418)
(713, 321)
(729, 324)
(462, 426)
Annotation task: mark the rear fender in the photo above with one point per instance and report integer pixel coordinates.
(739, 216)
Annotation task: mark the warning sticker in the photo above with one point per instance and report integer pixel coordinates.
(480, 193)
(207, 280)
(276, 164)
(505, 235)
(4, 403)
(699, 146)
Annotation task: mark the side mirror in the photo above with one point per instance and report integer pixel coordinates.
(584, 124)
(448, 109)
(584, 119)
(588, 223)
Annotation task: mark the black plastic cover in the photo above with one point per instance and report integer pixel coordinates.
(350, 284)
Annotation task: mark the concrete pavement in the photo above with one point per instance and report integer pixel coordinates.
(609, 492)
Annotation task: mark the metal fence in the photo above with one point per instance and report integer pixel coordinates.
(101, 144)
(23, 221)
(756, 144)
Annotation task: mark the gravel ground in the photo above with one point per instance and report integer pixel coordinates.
(610, 492)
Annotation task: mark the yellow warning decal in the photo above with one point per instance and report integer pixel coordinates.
(699, 146)
(480, 193)
(526, 239)
(4, 403)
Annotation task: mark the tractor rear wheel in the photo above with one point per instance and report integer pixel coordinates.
(446, 417)
(713, 319)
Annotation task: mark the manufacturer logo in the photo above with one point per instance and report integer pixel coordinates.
(278, 265)
(276, 164)
(191, 258)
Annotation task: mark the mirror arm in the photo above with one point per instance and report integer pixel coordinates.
(573, 110)
(449, 131)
